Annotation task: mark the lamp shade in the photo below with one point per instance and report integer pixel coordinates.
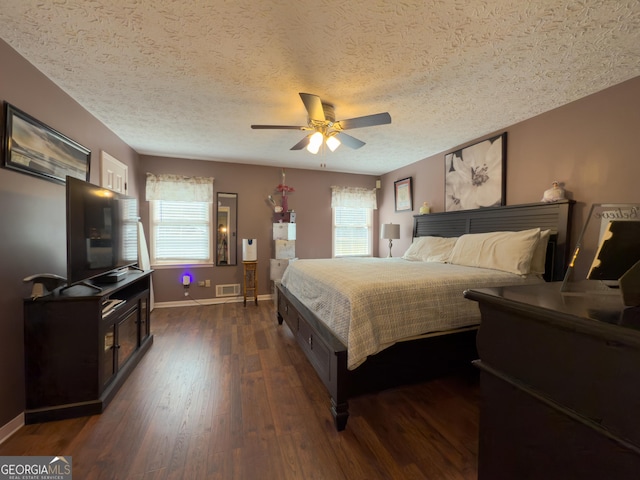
(390, 231)
(333, 143)
(315, 141)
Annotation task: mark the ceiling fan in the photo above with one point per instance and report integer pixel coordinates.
(324, 127)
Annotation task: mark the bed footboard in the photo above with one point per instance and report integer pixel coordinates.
(401, 364)
(327, 354)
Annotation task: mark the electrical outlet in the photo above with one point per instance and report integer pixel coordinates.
(201, 283)
(207, 283)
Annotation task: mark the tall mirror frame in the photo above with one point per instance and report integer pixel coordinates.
(226, 229)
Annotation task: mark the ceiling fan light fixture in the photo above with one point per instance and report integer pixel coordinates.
(315, 141)
(333, 143)
(321, 120)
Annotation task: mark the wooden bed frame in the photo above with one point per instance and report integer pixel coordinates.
(419, 360)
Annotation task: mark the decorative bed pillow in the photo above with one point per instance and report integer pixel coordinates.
(412, 251)
(539, 259)
(430, 249)
(506, 251)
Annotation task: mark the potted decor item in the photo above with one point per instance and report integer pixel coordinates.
(554, 194)
(284, 189)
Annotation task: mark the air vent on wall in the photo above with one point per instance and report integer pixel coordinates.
(231, 290)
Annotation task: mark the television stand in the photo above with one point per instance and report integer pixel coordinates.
(81, 345)
(83, 283)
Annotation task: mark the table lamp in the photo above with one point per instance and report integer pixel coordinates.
(390, 231)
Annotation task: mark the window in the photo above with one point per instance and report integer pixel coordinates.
(352, 220)
(180, 232)
(180, 217)
(352, 231)
(129, 238)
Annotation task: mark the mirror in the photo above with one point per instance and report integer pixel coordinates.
(226, 224)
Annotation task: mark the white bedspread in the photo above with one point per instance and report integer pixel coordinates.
(371, 303)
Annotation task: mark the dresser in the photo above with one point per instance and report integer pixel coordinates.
(560, 382)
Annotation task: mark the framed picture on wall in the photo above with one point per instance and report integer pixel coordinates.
(403, 193)
(30, 146)
(475, 176)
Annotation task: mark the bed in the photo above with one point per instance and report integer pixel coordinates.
(363, 330)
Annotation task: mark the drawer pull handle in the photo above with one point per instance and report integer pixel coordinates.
(310, 341)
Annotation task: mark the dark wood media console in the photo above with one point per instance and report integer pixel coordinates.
(81, 344)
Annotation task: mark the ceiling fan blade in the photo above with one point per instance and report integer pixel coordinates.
(349, 141)
(366, 121)
(278, 127)
(301, 144)
(313, 104)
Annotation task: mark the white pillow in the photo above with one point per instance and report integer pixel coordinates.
(506, 251)
(539, 259)
(413, 250)
(430, 249)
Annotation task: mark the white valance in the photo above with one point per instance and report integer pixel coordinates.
(177, 188)
(354, 197)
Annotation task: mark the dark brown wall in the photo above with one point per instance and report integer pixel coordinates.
(32, 210)
(591, 145)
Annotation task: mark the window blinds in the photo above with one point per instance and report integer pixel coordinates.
(181, 231)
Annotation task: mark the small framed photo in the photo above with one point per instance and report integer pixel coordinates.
(30, 146)
(403, 195)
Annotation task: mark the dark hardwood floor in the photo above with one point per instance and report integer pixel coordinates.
(225, 393)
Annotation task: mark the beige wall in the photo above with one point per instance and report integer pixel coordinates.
(591, 145)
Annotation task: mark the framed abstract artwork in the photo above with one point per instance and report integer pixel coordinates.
(30, 146)
(475, 176)
(403, 195)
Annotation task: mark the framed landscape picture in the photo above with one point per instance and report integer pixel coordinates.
(30, 146)
(475, 175)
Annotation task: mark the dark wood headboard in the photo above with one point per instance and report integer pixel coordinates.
(553, 216)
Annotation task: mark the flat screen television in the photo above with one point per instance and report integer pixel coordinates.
(102, 231)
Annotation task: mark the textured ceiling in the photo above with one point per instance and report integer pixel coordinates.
(187, 79)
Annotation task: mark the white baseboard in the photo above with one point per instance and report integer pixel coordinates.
(208, 301)
(12, 427)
